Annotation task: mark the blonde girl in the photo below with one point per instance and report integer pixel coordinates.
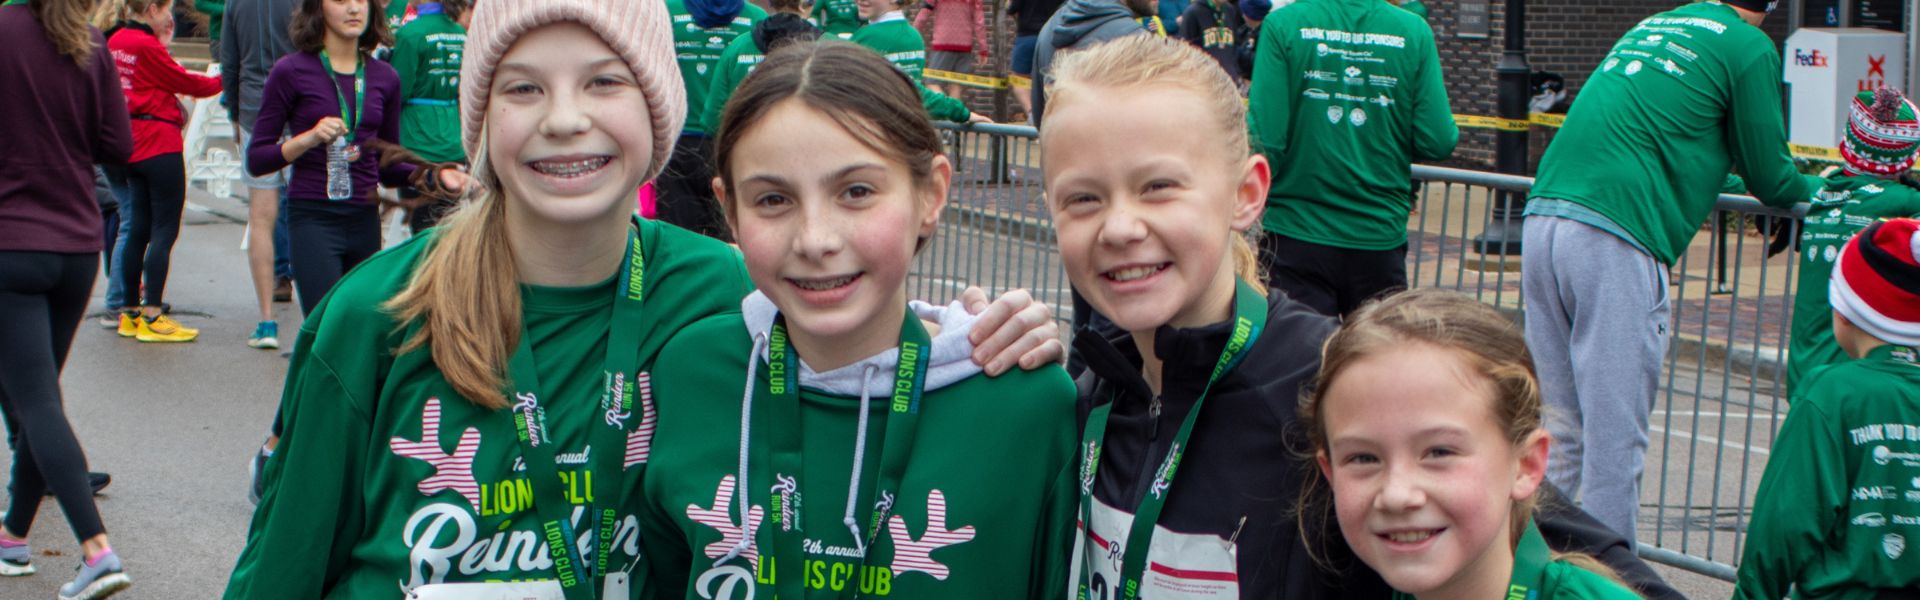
(1425, 424)
(829, 440)
(472, 407)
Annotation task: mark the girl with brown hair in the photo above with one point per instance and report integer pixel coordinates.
(66, 113)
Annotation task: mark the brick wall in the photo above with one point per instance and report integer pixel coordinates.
(1568, 37)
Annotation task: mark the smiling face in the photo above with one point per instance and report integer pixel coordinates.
(1145, 212)
(828, 226)
(568, 130)
(346, 19)
(1424, 479)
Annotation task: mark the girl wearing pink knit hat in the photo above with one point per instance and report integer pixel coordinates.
(473, 406)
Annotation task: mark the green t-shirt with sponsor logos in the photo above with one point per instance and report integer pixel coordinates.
(839, 18)
(1346, 95)
(386, 477)
(698, 50)
(426, 54)
(984, 509)
(1838, 507)
(896, 39)
(1684, 97)
(1849, 205)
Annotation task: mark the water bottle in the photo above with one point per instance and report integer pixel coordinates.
(339, 170)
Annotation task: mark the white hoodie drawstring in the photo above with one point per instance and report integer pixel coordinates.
(859, 455)
(747, 528)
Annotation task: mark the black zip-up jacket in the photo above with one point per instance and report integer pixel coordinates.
(1243, 467)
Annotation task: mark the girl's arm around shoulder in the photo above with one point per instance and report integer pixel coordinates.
(687, 277)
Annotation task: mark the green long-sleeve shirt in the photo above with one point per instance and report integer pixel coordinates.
(839, 18)
(426, 54)
(1684, 97)
(1346, 95)
(1850, 205)
(214, 10)
(698, 50)
(386, 477)
(896, 39)
(984, 508)
(1839, 503)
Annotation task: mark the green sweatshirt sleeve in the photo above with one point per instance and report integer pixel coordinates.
(943, 107)
(1434, 132)
(1270, 102)
(294, 547)
(1055, 544)
(665, 548)
(1759, 136)
(214, 10)
(1800, 496)
(406, 61)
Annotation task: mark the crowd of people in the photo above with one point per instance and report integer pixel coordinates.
(533, 394)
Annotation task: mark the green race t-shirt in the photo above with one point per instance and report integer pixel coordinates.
(1346, 95)
(1684, 97)
(837, 17)
(985, 508)
(1835, 511)
(426, 53)
(698, 50)
(896, 40)
(386, 477)
(1848, 205)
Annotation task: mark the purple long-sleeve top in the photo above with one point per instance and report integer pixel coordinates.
(61, 119)
(298, 94)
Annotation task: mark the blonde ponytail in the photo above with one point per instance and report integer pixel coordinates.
(465, 294)
(109, 13)
(65, 22)
(1246, 261)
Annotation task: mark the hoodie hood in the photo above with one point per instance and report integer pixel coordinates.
(782, 27)
(1079, 19)
(950, 362)
(714, 13)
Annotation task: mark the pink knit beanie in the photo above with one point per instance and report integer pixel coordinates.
(637, 30)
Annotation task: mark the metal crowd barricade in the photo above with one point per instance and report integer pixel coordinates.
(1722, 393)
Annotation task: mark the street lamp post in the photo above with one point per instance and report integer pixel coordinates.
(1510, 150)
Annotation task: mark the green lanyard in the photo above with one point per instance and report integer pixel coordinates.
(777, 410)
(1530, 560)
(13, 2)
(1250, 317)
(609, 436)
(359, 91)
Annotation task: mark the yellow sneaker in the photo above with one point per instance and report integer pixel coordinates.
(130, 325)
(164, 329)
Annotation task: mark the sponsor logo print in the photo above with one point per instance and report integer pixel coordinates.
(1870, 520)
(1633, 67)
(1805, 58)
(1335, 113)
(1894, 544)
(1358, 116)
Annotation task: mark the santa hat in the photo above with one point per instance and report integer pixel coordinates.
(1882, 134)
(1876, 282)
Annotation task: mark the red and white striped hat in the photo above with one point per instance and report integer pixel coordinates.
(1876, 284)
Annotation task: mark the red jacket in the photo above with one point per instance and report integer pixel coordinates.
(958, 26)
(150, 77)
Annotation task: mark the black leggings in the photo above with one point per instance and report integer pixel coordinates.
(326, 240)
(42, 298)
(158, 188)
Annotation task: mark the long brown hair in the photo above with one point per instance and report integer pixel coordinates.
(465, 294)
(66, 24)
(308, 28)
(1493, 349)
(854, 86)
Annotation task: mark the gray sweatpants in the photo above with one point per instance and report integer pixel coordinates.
(1597, 324)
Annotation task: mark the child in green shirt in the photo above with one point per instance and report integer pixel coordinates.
(1834, 513)
(866, 455)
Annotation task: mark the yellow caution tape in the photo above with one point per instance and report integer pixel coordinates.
(1480, 122)
(1814, 152)
(1017, 80)
(1547, 119)
(992, 83)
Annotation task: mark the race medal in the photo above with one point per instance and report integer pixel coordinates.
(353, 152)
